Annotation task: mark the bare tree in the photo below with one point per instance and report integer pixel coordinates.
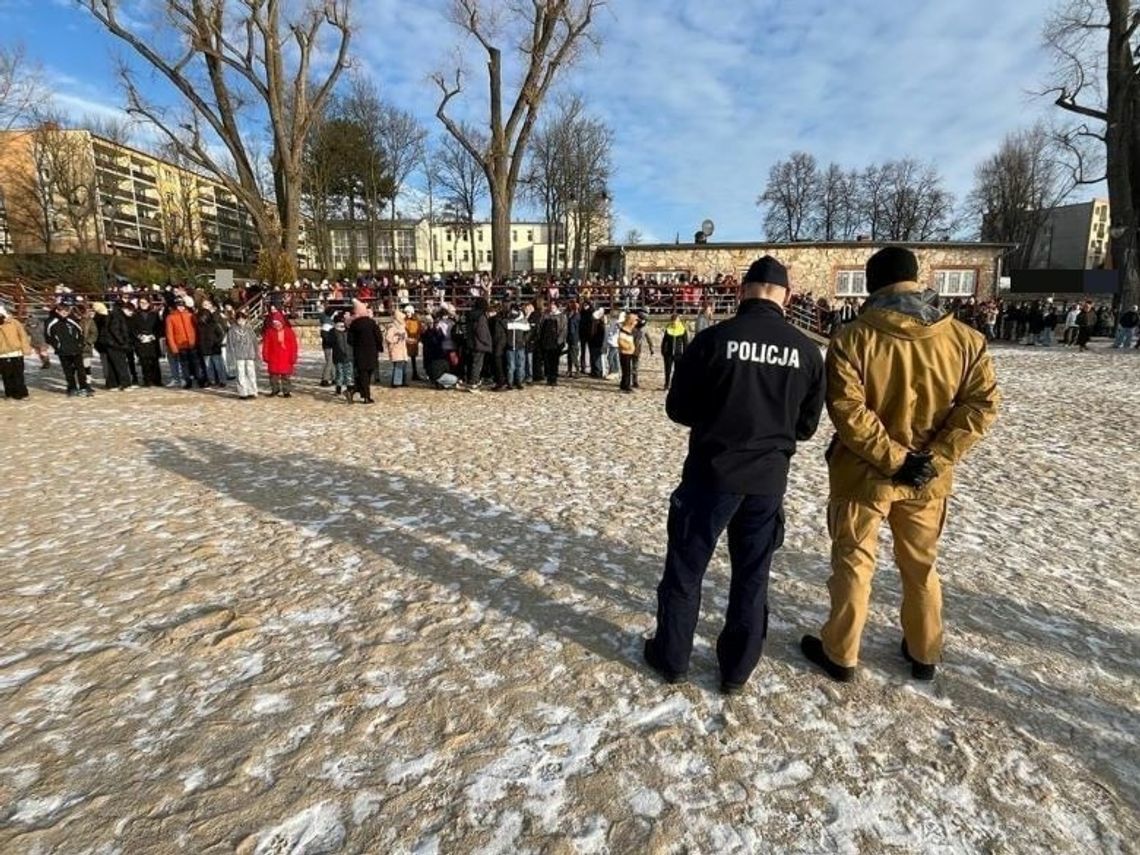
(461, 182)
(233, 62)
(837, 214)
(21, 87)
(549, 36)
(791, 197)
(915, 206)
(1097, 80)
(179, 211)
(400, 138)
(120, 131)
(872, 193)
(633, 237)
(1014, 189)
(50, 186)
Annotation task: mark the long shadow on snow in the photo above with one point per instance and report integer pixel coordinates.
(418, 516)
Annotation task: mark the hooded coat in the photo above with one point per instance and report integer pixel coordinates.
(279, 347)
(905, 377)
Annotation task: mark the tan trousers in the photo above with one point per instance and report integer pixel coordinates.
(854, 527)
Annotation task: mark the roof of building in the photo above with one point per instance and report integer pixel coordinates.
(820, 244)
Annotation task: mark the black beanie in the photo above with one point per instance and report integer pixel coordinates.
(889, 265)
(768, 271)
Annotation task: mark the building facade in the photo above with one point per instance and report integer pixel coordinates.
(72, 191)
(825, 269)
(418, 246)
(1073, 237)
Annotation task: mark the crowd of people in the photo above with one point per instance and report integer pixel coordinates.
(471, 334)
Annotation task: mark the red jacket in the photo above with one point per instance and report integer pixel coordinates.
(181, 331)
(279, 350)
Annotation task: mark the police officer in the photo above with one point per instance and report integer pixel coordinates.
(748, 388)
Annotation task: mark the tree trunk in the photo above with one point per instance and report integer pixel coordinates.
(1120, 145)
(500, 226)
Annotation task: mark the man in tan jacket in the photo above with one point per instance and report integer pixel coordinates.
(909, 390)
(14, 346)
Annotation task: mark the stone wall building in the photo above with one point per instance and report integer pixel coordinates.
(826, 269)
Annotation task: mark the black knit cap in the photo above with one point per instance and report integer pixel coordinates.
(768, 271)
(890, 265)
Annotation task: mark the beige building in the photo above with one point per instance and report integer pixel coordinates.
(69, 190)
(1073, 237)
(826, 269)
(418, 246)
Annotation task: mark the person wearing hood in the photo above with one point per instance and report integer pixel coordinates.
(1126, 327)
(910, 390)
(367, 342)
(182, 342)
(749, 390)
(117, 343)
(517, 336)
(241, 344)
(146, 333)
(342, 354)
(211, 341)
(328, 322)
(279, 352)
(14, 346)
(65, 334)
(673, 343)
(396, 339)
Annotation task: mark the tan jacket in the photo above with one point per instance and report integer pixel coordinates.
(14, 338)
(904, 377)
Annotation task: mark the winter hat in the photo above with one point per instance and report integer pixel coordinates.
(99, 308)
(890, 265)
(766, 271)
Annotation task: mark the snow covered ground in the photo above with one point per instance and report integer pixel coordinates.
(296, 626)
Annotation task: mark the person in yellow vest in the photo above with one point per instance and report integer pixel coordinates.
(673, 343)
(415, 330)
(910, 390)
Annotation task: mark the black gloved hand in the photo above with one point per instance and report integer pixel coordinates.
(917, 471)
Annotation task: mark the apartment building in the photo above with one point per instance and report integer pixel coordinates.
(72, 191)
(1073, 237)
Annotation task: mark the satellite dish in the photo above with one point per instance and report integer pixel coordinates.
(707, 227)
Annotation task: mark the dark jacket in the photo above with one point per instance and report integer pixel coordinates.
(341, 349)
(573, 327)
(1130, 320)
(65, 335)
(673, 346)
(499, 334)
(146, 332)
(102, 343)
(366, 342)
(477, 336)
(211, 333)
(118, 330)
(749, 388)
(552, 331)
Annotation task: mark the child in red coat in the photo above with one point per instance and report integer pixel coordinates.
(279, 350)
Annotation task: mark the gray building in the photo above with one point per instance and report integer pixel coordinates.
(1073, 237)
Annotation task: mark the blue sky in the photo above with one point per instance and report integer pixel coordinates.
(702, 102)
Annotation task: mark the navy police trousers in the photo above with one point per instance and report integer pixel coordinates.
(697, 518)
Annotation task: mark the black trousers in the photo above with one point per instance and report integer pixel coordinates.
(475, 369)
(364, 382)
(550, 360)
(596, 360)
(115, 362)
(1084, 335)
(583, 350)
(499, 368)
(12, 375)
(131, 369)
(634, 365)
(573, 358)
(668, 357)
(626, 362)
(697, 518)
(73, 372)
(151, 369)
(538, 366)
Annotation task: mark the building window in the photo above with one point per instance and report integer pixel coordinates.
(480, 235)
(851, 283)
(955, 283)
(514, 256)
(466, 255)
(514, 236)
(530, 235)
(450, 256)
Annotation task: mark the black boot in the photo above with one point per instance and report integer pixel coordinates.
(812, 648)
(918, 670)
(651, 659)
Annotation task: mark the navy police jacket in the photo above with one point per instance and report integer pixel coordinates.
(749, 389)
